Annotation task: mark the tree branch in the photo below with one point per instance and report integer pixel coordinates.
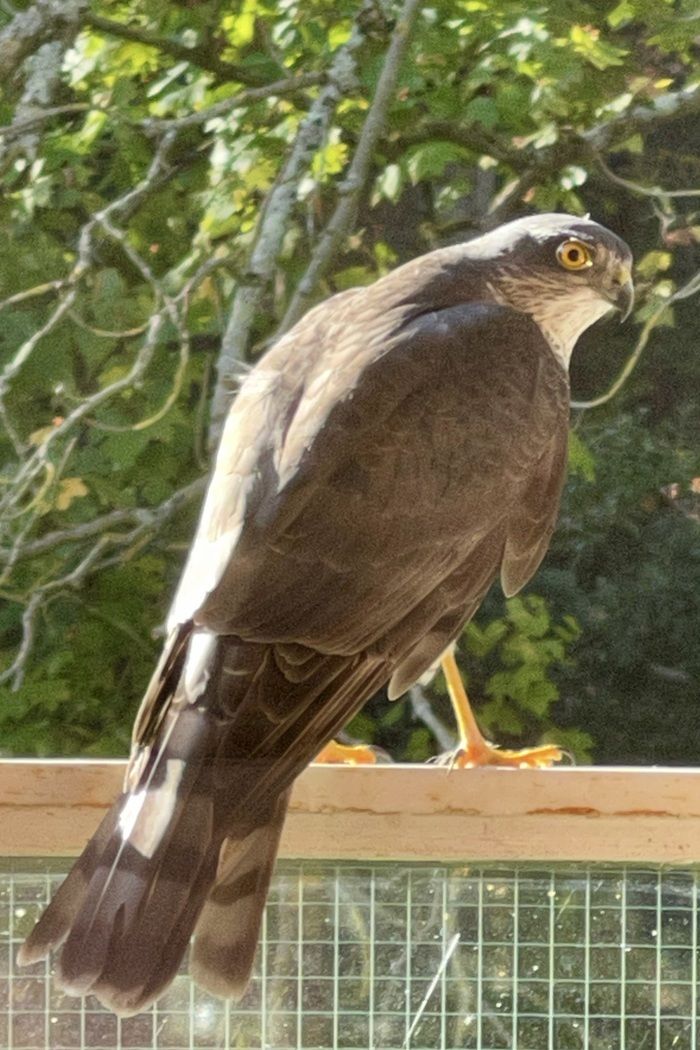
(34, 119)
(17, 668)
(471, 136)
(423, 711)
(290, 86)
(32, 293)
(147, 519)
(658, 192)
(38, 463)
(142, 517)
(644, 118)
(273, 223)
(102, 218)
(199, 55)
(29, 345)
(531, 163)
(44, 21)
(342, 219)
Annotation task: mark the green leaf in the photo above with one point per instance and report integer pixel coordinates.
(331, 158)
(621, 15)
(654, 262)
(581, 459)
(481, 110)
(481, 641)
(430, 160)
(586, 41)
(240, 27)
(573, 175)
(575, 742)
(389, 183)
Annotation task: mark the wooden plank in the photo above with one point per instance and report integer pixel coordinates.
(50, 808)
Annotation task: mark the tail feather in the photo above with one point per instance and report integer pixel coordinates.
(191, 843)
(143, 948)
(145, 877)
(54, 925)
(226, 934)
(139, 967)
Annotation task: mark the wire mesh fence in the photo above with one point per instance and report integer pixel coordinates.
(390, 956)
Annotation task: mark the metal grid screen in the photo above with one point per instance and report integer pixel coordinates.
(388, 956)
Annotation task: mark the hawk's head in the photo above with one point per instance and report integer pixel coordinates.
(564, 271)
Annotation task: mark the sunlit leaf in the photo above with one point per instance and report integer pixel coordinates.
(389, 183)
(654, 262)
(586, 41)
(581, 459)
(69, 489)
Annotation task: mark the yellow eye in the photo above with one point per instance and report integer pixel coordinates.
(574, 255)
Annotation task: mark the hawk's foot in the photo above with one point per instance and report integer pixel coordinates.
(346, 754)
(483, 753)
(474, 750)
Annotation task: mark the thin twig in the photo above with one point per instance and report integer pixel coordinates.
(273, 224)
(38, 463)
(472, 137)
(17, 668)
(29, 345)
(104, 333)
(92, 561)
(423, 711)
(141, 517)
(16, 552)
(40, 116)
(32, 293)
(671, 105)
(102, 218)
(690, 288)
(636, 187)
(356, 178)
(286, 87)
(201, 56)
(17, 444)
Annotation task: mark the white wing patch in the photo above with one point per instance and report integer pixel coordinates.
(196, 670)
(146, 814)
(205, 567)
(246, 433)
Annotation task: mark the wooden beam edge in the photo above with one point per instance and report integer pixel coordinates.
(406, 813)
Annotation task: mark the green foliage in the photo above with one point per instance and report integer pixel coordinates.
(527, 650)
(512, 661)
(135, 181)
(626, 564)
(581, 459)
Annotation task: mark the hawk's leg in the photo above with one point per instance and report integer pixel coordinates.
(474, 749)
(346, 754)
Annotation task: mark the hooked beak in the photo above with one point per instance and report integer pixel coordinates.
(621, 292)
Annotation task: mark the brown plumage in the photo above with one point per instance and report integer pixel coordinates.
(396, 451)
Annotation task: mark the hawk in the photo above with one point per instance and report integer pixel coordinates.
(395, 452)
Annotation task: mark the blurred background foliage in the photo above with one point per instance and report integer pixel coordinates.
(180, 180)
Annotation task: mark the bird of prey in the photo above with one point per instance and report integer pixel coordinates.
(395, 452)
